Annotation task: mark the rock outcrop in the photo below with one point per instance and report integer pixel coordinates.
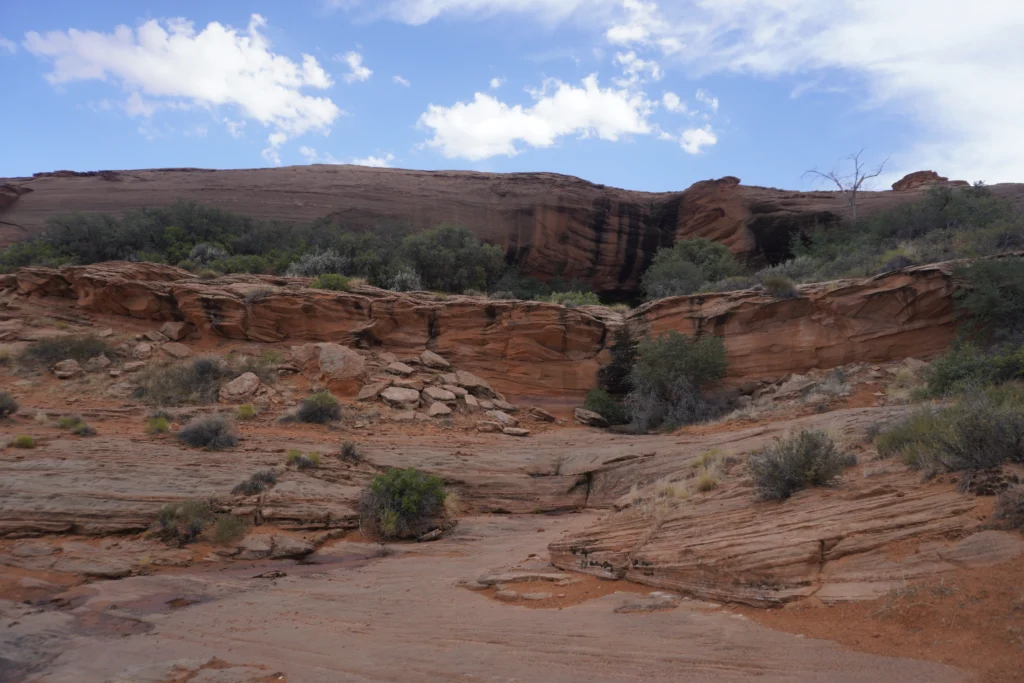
(551, 224)
(919, 179)
(523, 348)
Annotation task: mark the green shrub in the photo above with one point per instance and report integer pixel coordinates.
(614, 377)
(966, 365)
(8, 406)
(157, 425)
(52, 350)
(309, 461)
(197, 381)
(350, 452)
(602, 403)
(401, 504)
(991, 298)
(450, 258)
(184, 522)
(320, 408)
(228, 529)
(785, 466)
(779, 286)
(905, 436)
(69, 421)
(686, 266)
(212, 432)
(82, 429)
(23, 441)
(246, 412)
(332, 282)
(257, 483)
(1010, 507)
(574, 299)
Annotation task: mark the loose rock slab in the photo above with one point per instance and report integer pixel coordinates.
(401, 398)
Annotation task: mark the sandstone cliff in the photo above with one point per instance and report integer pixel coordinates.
(524, 348)
(552, 224)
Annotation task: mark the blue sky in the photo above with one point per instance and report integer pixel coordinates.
(642, 94)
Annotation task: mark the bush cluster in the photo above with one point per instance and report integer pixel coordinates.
(184, 522)
(8, 406)
(320, 408)
(331, 282)
(574, 299)
(52, 350)
(605, 405)
(196, 381)
(212, 432)
(303, 461)
(687, 266)
(402, 504)
(257, 483)
(788, 465)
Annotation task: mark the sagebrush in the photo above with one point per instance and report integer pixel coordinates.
(402, 503)
(787, 465)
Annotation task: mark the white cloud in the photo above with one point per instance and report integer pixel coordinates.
(710, 102)
(422, 11)
(235, 128)
(169, 64)
(7, 46)
(272, 152)
(198, 131)
(376, 162)
(487, 127)
(635, 70)
(674, 104)
(497, 83)
(357, 71)
(694, 140)
(401, 81)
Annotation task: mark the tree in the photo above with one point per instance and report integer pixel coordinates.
(850, 184)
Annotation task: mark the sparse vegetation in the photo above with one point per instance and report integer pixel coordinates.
(686, 267)
(779, 286)
(197, 381)
(82, 429)
(300, 461)
(257, 483)
(332, 282)
(157, 425)
(402, 504)
(788, 465)
(602, 403)
(212, 432)
(68, 421)
(8, 406)
(574, 299)
(245, 412)
(320, 408)
(184, 522)
(23, 441)
(52, 350)
(228, 529)
(1010, 507)
(350, 452)
(257, 295)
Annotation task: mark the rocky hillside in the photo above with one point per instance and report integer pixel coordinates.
(553, 224)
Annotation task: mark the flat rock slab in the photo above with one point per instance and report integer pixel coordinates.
(397, 368)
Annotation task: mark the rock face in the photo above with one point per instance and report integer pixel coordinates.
(554, 224)
(529, 349)
(919, 179)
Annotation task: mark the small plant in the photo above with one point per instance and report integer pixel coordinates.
(574, 299)
(779, 286)
(212, 432)
(308, 461)
(257, 295)
(350, 452)
(402, 504)
(1010, 507)
(69, 422)
(257, 483)
(705, 481)
(157, 425)
(788, 465)
(332, 282)
(8, 406)
(602, 403)
(82, 429)
(228, 529)
(55, 349)
(246, 412)
(184, 522)
(320, 408)
(23, 441)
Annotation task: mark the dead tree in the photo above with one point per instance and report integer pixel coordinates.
(850, 184)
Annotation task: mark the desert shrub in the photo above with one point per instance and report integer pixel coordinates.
(450, 258)
(23, 441)
(319, 263)
(785, 466)
(196, 381)
(350, 452)
(332, 282)
(308, 461)
(184, 522)
(401, 504)
(903, 437)
(68, 421)
(245, 412)
(686, 266)
(1010, 507)
(402, 279)
(204, 253)
(207, 274)
(257, 483)
(320, 408)
(614, 377)
(779, 286)
(731, 284)
(82, 429)
(8, 406)
(259, 294)
(602, 403)
(967, 365)
(512, 284)
(228, 529)
(991, 298)
(157, 425)
(212, 432)
(55, 349)
(573, 299)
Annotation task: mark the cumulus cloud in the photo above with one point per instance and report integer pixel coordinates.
(422, 11)
(694, 140)
(169, 63)
(357, 71)
(401, 81)
(635, 70)
(487, 127)
(375, 162)
(707, 99)
(497, 83)
(7, 46)
(674, 104)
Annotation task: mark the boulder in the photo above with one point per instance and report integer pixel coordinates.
(504, 419)
(397, 368)
(471, 402)
(488, 427)
(589, 418)
(455, 389)
(473, 384)
(502, 404)
(408, 383)
(439, 409)
(341, 368)
(240, 389)
(142, 351)
(370, 392)
(67, 369)
(97, 363)
(541, 414)
(515, 431)
(176, 331)
(432, 360)
(398, 397)
(439, 394)
(134, 366)
(286, 547)
(485, 403)
(387, 357)
(176, 350)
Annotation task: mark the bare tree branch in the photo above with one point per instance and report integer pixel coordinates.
(850, 184)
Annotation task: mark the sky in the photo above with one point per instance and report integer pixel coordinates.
(641, 94)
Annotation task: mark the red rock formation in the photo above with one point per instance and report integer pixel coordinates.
(920, 179)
